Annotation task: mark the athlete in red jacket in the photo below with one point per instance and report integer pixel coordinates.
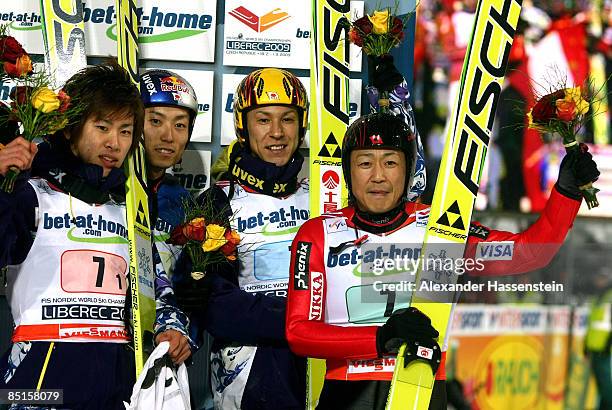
(328, 315)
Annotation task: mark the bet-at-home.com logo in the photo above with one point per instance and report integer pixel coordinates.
(154, 25)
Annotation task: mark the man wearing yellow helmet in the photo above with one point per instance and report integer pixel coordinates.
(242, 304)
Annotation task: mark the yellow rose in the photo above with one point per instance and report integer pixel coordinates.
(575, 95)
(215, 238)
(45, 100)
(380, 21)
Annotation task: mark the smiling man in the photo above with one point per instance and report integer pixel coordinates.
(251, 365)
(63, 241)
(171, 107)
(359, 336)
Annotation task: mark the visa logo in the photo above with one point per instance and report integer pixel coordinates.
(495, 251)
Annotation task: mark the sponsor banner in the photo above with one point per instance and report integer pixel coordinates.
(179, 30)
(270, 33)
(202, 83)
(231, 81)
(194, 171)
(490, 320)
(519, 364)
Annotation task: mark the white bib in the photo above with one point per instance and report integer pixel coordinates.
(267, 226)
(72, 284)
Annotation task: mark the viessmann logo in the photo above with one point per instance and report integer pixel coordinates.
(259, 23)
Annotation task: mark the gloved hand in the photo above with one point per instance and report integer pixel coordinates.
(383, 73)
(577, 169)
(405, 325)
(192, 295)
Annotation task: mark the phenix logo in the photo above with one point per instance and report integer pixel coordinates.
(259, 24)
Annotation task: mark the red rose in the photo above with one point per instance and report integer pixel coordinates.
(10, 49)
(545, 109)
(177, 237)
(355, 38)
(22, 66)
(64, 101)
(397, 27)
(364, 25)
(21, 94)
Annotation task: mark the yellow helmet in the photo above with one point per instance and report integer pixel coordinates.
(269, 86)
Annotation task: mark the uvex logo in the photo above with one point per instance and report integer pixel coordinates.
(257, 23)
(254, 181)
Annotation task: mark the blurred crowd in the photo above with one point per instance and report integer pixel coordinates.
(557, 42)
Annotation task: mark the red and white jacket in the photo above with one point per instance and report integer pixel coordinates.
(325, 316)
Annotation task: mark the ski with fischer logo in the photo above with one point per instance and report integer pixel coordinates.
(329, 118)
(142, 276)
(456, 188)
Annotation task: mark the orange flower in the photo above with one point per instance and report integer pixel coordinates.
(195, 230)
(22, 66)
(355, 38)
(229, 249)
(566, 110)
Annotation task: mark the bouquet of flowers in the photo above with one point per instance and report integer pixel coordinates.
(40, 111)
(377, 34)
(205, 235)
(563, 112)
(35, 107)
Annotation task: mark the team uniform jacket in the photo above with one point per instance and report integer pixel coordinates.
(326, 317)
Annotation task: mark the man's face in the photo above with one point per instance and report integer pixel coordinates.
(377, 179)
(166, 132)
(104, 141)
(273, 133)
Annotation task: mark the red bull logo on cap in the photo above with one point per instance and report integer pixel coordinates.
(173, 84)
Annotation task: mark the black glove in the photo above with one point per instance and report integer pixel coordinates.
(403, 326)
(192, 295)
(577, 169)
(383, 73)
